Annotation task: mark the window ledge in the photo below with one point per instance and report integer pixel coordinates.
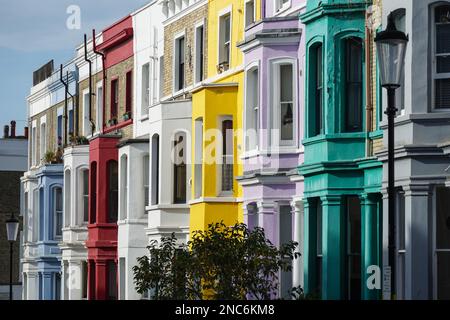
(118, 126)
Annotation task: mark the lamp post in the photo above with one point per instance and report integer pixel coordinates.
(391, 48)
(12, 227)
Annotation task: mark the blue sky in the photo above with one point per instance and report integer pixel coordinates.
(32, 32)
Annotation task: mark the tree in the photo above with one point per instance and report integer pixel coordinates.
(221, 262)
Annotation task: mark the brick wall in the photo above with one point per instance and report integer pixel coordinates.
(186, 24)
(118, 71)
(9, 202)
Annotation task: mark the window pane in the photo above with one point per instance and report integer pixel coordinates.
(442, 93)
(443, 38)
(286, 121)
(286, 82)
(443, 64)
(85, 195)
(179, 170)
(227, 152)
(227, 28)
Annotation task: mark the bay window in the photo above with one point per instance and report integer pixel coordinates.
(113, 191)
(441, 59)
(93, 194)
(57, 212)
(155, 169)
(353, 96)
(146, 180)
(85, 195)
(179, 169)
(252, 109)
(227, 156)
(283, 102)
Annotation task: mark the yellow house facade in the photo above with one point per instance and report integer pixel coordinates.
(217, 120)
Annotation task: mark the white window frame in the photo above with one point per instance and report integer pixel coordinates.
(196, 52)
(434, 75)
(176, 72)
(223, 12)
(274, 101)
(250, 68)
(98, 105)
(253, 13)
(85, 118)
(146, 179)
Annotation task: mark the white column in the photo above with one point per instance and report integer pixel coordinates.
(297, 268)
(32, 286)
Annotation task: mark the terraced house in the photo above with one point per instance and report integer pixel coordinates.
(272, 124)
(51, 118)
(217, 106)
(87, 115)
(342, 178)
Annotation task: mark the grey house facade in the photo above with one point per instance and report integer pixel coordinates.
(422, 135)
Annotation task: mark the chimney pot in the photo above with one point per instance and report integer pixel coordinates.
(25, 130)
(13, 129)
(6, 132)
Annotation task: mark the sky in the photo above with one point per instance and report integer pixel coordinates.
(32, 32)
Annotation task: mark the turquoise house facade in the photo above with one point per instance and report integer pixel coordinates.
(342, 180)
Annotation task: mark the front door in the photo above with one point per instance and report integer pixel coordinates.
(442, 248)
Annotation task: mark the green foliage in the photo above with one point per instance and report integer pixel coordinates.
(219, 263)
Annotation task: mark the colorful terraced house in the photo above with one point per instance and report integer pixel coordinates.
(217, 109)
(342, 196)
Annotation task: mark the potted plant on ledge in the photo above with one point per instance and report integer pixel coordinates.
(112, 121)
(127, 116)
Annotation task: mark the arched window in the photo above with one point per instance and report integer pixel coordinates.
(67, 197)
(252, 109)
(353, 95)
(113, 190)
(123, 186)
(93, 194)
(179, 168)
(315, 97)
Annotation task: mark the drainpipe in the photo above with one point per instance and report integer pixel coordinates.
(66, 89)
(369, 102)
(94, 48)
(90, 83)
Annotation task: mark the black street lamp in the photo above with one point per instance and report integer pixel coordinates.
(391, 48)
(12, 228)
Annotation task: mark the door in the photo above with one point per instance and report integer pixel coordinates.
(442, 248)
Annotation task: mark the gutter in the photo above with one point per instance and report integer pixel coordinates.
(94, 48)
(90, 84)
(66, 89)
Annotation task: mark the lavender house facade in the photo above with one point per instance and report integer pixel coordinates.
(273, 102)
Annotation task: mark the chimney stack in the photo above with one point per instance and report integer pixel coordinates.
(25, 130)
(13, 129)
(6, 132)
